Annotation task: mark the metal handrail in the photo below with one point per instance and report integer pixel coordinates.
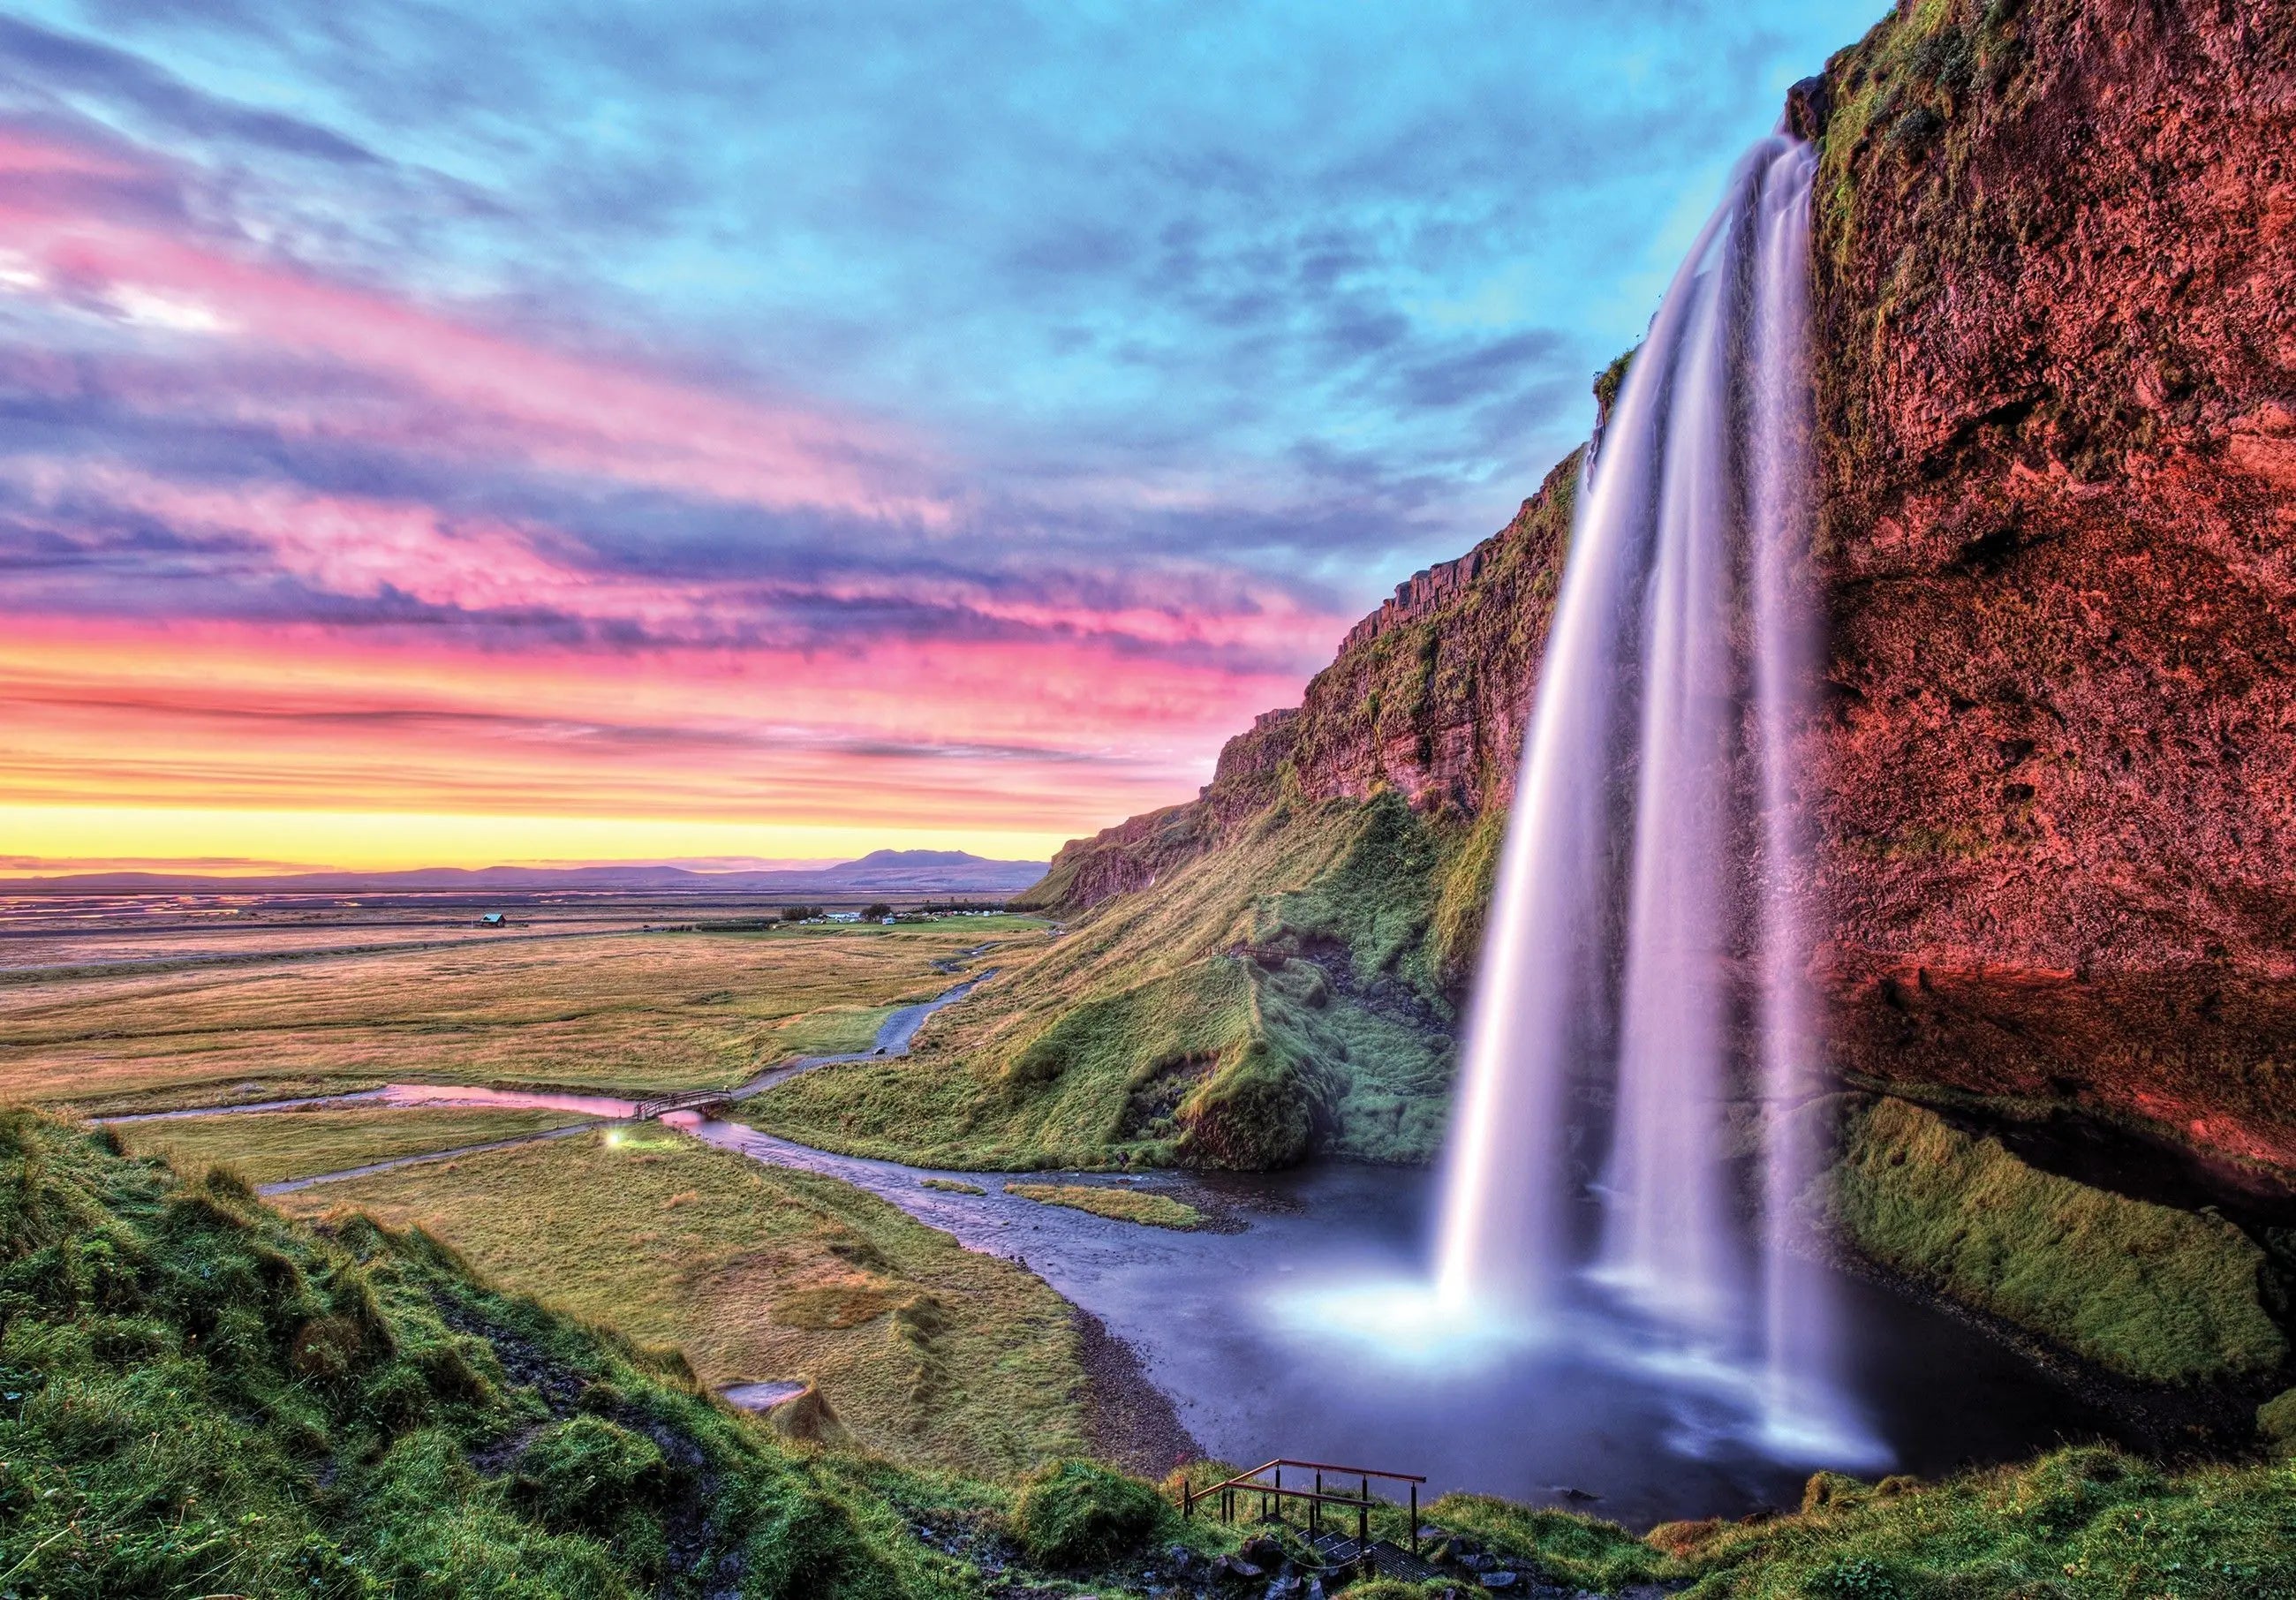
(1274, 1493)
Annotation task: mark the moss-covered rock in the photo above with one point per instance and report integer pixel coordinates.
(2275, 1423)
(1079, 1513)
(2157, 1294)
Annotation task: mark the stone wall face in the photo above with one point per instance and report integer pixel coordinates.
(2056, 292)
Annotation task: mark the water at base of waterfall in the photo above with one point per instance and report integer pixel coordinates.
(1633, 1141)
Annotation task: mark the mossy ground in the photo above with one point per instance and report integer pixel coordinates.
(1280, 996)
(2086, 1523)
(1121, 1205)
(2160, 1295)
(267, 1146)
(208, 1400)
(929, 1353)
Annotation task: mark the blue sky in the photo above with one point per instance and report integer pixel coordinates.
(1162, 339)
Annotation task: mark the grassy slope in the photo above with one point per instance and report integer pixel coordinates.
(265, 1146)
(2079, 1524)
(1248, 1010)
(930, 1353)
(2161, 1295)
(212, 1399)
(630, 1013)
(1272, 970)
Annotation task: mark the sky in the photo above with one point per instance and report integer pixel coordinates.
(532, 433)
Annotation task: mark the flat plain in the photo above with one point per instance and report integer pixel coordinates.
(630, 1013)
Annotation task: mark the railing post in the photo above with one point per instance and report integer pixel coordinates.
(1187, 1500)
(1279, 1494)
(1363, 1525)
(1414, 1519)
(1316, 1507)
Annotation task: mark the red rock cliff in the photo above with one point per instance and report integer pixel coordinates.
(2056, 291)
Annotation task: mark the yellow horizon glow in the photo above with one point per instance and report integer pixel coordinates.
(58, 836)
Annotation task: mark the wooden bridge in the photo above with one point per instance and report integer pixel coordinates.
(1263, 1489)
(708, 1102)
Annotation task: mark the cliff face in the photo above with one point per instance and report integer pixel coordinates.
(1425, 699)
(2055, 777)
(2056, 294)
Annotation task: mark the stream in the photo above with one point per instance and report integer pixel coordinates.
(1290, 1326)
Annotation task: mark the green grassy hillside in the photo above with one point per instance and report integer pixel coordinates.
(204, 1398)
(1277, 996)
(1274, 969)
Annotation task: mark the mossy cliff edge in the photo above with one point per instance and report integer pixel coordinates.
(1274, 969)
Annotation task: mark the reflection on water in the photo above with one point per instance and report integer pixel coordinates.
(461, 1097)
(1310, 1333)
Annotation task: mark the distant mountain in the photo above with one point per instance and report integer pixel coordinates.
(902, 872)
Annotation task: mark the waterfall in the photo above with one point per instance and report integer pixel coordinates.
(1641, 1022)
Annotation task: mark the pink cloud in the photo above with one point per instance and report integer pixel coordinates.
(566, 412)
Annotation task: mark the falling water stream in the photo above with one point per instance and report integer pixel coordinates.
(1640, 1021)
(1615, 1302)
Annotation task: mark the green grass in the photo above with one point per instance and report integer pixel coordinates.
(628, 1013)
(206, 1399)
(950, 1185)
(928, 1352)
(1272, 999)
(2080, 1524)
(2161, 1295)
(265, 1146)
(1078, 1514)
(837, 1030)
(2086, 1523)
(1122, 1205)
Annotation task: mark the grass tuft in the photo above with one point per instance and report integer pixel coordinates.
(1123, 1205)
(1076, 1513)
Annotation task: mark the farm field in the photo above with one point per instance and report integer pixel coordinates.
(629, 1013)
(930, 1354)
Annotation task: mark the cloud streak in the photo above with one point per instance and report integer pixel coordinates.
(738, 412)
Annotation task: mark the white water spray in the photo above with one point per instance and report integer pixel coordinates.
(1647, 956)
